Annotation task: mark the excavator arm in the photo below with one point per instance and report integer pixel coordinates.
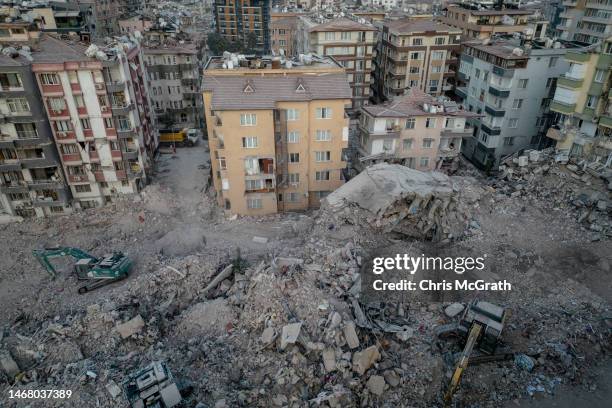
(463, 362)
(44, 255)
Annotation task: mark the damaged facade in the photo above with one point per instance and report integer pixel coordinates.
(276, 130)
(417, 130)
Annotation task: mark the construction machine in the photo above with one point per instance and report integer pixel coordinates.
(481, 325)
(98, 272)
(152, 387)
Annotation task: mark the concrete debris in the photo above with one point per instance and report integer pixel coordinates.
(329, 360)
(260, 240)
(113, 389)
(130, 327)
(376, 385)
(268, 335)
(453, 309)
(363, 360)
(350, 334)
(290, 334)
(9, 366)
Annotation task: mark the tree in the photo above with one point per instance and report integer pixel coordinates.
(251, 43)
(217, 44)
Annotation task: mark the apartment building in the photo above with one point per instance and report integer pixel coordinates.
(350, 42)
(483, 24)
(32, 182)
(582, 105)
(282, 35)
(415, 53)
(416, 129)
(241, 20)
(276, 132)
(99, 115)
(586, 21)
(511, 86)
(174, 85)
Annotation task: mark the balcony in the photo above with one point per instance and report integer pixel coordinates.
(556, 134)
(122, 109)
(577, 56)
(189, 81)
(461, 92)
(73, 158)
(10, 165)
(497, 90)
(6, 144)
(57, 113)
(46, 202)
(65, 136)
(569, 82)
(493, 131)
(38, 162)
(14, 187)
(55, 89)
(115, 86)
(45, 184)
(77, 178)
(606, 121)
(116, 154)
(100, 87)
(121, 174)
(451, 132)
(562, 107)
(125, 133)
(494, 111)
(131, 154)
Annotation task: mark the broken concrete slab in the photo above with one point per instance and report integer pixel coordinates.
(290, 334)
(268, 335)
(350, 334)
(260, 240)
(376, 385)
(130, 327)
(363, 360)
(113, 389)
(329, 360)
(9, 366)
(453, 309)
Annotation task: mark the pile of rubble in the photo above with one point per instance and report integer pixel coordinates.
(552, 183)
(394, 198)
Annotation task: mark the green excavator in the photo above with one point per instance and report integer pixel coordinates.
(98, 272)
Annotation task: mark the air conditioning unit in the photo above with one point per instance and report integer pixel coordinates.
(61, 134)
(104, 108)
(57, 112)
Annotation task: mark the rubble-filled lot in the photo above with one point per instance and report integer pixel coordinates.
(287, 327)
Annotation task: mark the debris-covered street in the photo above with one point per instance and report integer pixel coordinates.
(261, 312)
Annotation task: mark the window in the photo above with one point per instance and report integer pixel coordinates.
(430, 123)
(477, 73)
(293, 137)
(292, 114)
(437, 55)
(424, 162)
(388, 145)
(517, 104)
(322, 175)
(293, 197)
(428, 143)
(433, 85)
(415, 55)
(552, 62)
(85, 123)
(323, 136)
(248, 119)
(294, 157)
(254, 203)
(222, 163)
(78, 101)
(329, 36)
(321, 194)
(513, 123)
(49, 79)
(417, 41)
(249, 142)
(522, 84)
(108, 123)
(69, 148)
(18, 105)
(415, 70)
(225, 184)
(407, 144)
(436, 69)
(82, 188)
(253, 184)
(592, 101)
(294, 178)
(508, 141)
(26, 130)
(440, 40)
(62, 125)
(599, 75)
(323, 156)
(345, 35)
(10, 80)
(410, 122)
(324, 113)
(483, 137)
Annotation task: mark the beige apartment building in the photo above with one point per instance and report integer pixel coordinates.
(350, 42)
(415, 54)
(276, 132)
(416, 130)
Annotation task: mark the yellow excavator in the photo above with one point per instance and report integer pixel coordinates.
(481, 324)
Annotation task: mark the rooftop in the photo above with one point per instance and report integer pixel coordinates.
(512, 48)
(409, 25)
(341, 24)
(492, 12)
(417, 103)
(243, 63)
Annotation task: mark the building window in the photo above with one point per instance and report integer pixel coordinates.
(415, 55)
(293, 197)
(513, 123)
(433, 85)
(321, 194)
(225, 184)
(477, 73)
(49, 79)
(415, 70)
(508, 141)
(222, 163)
(26, 130)
(292, 114)
(424, 162)
(592, 101)
(18, 105)
(552, 62)
(436, 69)
(294, 178)
(322, 175)
(430, 123)
(254, 203)
(251, 185)
(294, 157)
(293, 137)
(108, 123)
(62, 125)
(440, 40)
(437, 55)
(417, 41)
(324, 113)
(323, 156)
(329, 36)
(517, 104)
(85, 123)
(407, 144)
(249, 142)
(248, 119)
(410, 122)
(323, 136)
(523, 83)
(428, 143)
(599, 75)
(345, 35)
(82, 188)
(10, 80)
